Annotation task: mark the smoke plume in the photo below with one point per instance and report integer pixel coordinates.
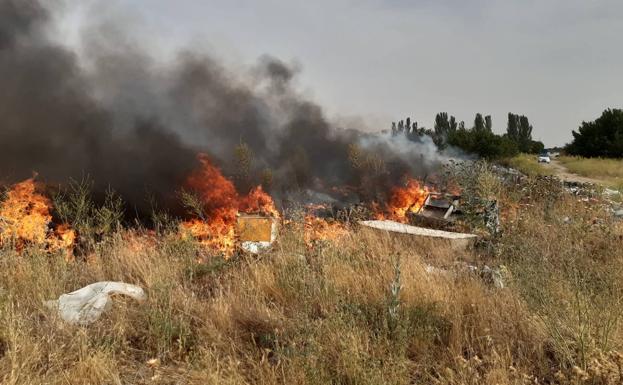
(137, 125)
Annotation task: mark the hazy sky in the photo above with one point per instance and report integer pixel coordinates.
(557, 61)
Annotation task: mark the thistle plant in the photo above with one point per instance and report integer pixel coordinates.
(394, 297)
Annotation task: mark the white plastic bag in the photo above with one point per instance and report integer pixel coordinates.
(86, 305)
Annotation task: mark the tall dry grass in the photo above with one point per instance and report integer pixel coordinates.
(609, 170)
(364, 309)
(528, 164)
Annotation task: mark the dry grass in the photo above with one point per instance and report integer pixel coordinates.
(361, 310)
(527, 164)
(609, 170)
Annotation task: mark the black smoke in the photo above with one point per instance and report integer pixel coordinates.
(127, 121)
(51, 124)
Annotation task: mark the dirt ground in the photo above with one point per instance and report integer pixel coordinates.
(561, 171)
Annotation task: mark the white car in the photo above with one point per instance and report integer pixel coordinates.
(544, 158)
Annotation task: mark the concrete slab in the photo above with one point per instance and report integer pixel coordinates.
(459, 241)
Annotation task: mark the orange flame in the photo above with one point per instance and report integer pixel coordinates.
(221, 204)
(318, 229)
(405, 200)
(258, 202)
(27, 214)
(25, 218)
(64, 239)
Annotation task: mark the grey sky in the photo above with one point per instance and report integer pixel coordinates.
(557, 61)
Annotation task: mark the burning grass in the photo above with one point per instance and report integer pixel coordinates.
(25, 218)
(217, 204)
(358, 309)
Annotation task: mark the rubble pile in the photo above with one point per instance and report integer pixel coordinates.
(612, 200)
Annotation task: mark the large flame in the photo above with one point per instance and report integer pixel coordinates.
(405, 200)
(25, 218)
(221, 205)
(26, 214)
(258, 202)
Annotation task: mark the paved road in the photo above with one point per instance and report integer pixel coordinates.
(561, 171)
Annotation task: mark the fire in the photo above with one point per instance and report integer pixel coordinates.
(221, 206)
(257, 201)
(26, 213)
(405, 200)
(320, 229)
(64, 238)
(25, 218)
(214, 234)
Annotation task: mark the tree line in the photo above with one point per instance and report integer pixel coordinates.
(602, 137)
(478, 139)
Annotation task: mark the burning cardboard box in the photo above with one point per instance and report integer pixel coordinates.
(256, 232)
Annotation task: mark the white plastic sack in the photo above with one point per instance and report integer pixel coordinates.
(255, 247)
(86, 305)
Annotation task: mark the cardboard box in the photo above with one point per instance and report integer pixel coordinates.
(256, 228)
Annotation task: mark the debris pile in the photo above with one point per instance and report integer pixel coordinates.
(584, 191)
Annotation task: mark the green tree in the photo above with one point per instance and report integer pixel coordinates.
(488, 123)
(479, 123)
(243, 162)
(537, 147)
(483, 143)
(525, 132)
(453, 124)
(519, 130)
(444, 125)
(512, 129)
(602, 137)
(405, 127)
